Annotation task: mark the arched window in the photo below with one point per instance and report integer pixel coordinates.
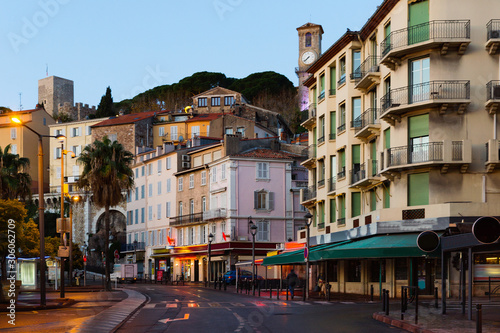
(308, 39)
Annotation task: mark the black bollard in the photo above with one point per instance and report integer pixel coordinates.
(270, 290)
(225, 285)
(304, 293)
(215, 284)
(479, 318)
(220, 284)
(371, 293)
(387, 303)
(259, 289)
(287, 288)
(383, 300)
(436, 297)
(402, 303)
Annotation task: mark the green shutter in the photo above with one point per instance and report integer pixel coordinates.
(387, 197)
(373, 152)
(342, 207)
(418, 126)
(418, 14)
(387, 138)
(333, 123)
(387, 30)
(373, 201)
(322, 83)
(355, 204)
(333, 79)
(315, 96)
(314, 219)
(356, 154)
(333, 211)
(418, 189)
(342, 158)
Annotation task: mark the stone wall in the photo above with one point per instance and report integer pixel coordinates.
(53, 91)
(77, 112)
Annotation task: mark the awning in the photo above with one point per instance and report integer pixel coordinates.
(294, 257)
(383, 246)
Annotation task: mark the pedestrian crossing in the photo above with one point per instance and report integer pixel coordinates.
(211, 304)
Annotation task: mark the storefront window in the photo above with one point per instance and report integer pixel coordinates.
(401, 269)
(332, 270)
(376, 271)
(353, 270)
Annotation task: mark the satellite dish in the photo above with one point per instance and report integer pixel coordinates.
(181, 138)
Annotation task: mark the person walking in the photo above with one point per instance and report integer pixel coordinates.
(292, 281)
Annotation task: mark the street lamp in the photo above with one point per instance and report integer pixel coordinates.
(63, 225)
(210, 240)
(308, 217)
(41, 208)
(135, 251)
(73, 199)
(253, 231)
(84, 250)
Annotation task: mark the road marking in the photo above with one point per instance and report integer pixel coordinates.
(149, 306)
(193, 305)
(166, 320)
(173, 305)
(214, 305)
(237, 304)
(347, 303)
(302, 303)
(322, 302)
(150, 288)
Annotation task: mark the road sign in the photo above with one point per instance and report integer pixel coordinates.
(117, 254)
(63, 252)
(306, 254)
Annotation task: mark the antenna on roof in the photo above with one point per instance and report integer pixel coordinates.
(20, 102)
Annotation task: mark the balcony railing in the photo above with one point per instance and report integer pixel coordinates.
(214, 214)
(374, 168)
(341, 173)
(418, 153)
(493, 29)
(370, 65)
(139, 246)
(332, 92)
(427, 91)
(300, 183)
(312, 110)
(321, 139)
(341, 221)
(333, 136)
(357, 173)
(369, 117)
(447, 30)
(493, 90)
(321, 95)
(341, 128)
(332, 184)
(342, 80)
(186, 219)
(309, 193)
(321, 182)
(321, 224)
(311, 151)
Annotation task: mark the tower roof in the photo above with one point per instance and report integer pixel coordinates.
(310, 25)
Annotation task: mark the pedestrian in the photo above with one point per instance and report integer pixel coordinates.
(292, 281)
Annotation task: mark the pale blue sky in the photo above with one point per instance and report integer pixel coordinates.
(133, 46)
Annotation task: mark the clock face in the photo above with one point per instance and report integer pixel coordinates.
(308, 57)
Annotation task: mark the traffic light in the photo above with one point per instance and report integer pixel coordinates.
(84, 258)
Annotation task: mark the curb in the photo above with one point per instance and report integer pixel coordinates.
(404, 325)
(60, 303)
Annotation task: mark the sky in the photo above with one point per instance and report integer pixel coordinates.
(133, 46)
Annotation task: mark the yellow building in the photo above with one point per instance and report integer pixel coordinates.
(24, 142)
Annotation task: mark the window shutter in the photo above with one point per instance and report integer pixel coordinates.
(255, 199)
(271, 200)
(419, 126)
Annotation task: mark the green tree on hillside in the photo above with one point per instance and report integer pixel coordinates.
(106, 107)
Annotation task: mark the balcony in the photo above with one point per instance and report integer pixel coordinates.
(321, 183)
(367, 74)
(311, 156)
(492, 36)
(189, 219)
(364, 175)
(492, 155)
(445, 95)
(332, 184)
(212, 214)
(321, 139)
(443, 35)
(492, 96)
(367, 125)
(321, 96)
(299, 183)
(342, 80)
(442, 154)
(341, 128)
(311, 120)
(332, 92)
(341, 173)
(308, 194)
(139, 246)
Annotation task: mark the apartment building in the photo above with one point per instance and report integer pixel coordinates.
(403, 138)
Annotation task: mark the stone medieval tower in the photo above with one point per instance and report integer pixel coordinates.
(53, 91)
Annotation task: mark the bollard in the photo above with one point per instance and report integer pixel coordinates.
(436, 297)
(225, 285)
(402, 303)
(329, 291)
(416, 306)
(304, 293)
(220, 284)
(259, 289)
(371, 293)
(215, 284)
(270, 290)
(383, 300)
(387, 302)
(479, 318)
(287, 289)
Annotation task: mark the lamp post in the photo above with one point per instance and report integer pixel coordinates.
(63, 224)
(308, 217)
(73, 199)
(253, 231)
(41, 207)
(210, 240)
(135, 251)
(84, 250)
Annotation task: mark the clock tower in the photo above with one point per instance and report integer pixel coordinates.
(309, 51)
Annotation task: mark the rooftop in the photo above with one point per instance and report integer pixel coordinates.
(126, 119)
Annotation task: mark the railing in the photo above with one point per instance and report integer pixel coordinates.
(342, 80)
(321, 182)
(493, 29)
(358, 173)
(309, 193)
(433, 90)
(356, 123)
(311, 151)
(214, 214)
(321, 225)
(369, 117)
(333, 92)
(454, 29)
(341, 128)
(418, 153)
(332, 184)
(321, 95)
(493, 90)
(133, 246)
(186, 219)
(374, 168)
(370, 65)
(300, 183)
(312, 110)
(333, 136)
(321, 139)
(341, 173)
(341, 221)
(457, 150)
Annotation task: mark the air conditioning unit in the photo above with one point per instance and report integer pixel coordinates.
(186, 158)
(495, 34)
(186, 165)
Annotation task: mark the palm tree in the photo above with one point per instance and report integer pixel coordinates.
(15, 181)
(107, 174)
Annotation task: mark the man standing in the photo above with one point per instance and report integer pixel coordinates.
(292, 281)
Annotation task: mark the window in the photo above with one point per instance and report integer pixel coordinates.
(241, 130)
(142, 171)
(418, 189)
(159, 166)
(376, 269)
(262, 231)
(167, 209)
(333, 80)
(356, 161)
(191, 206)
(355, 204)
(150, 169)
(181, 181)
(143, 189)
(159, 188)
(214, 175)
(215, 101)
(150, 190)
(202, 101)
(229, 130)
(173, 133)
(180, 208)
(262, 170)
(387, 196)
(203, 178)
(44, 121)
(158, 211)
(13, 133)
(203, 204)
(161, 131)
(223, 171)
(387, 36)
(341, 171)
(58, 172)
(59, 132)
(333, 210)
(13, 149)
(168, 163)
(203, 234)
(57, 153)
(418, 133)
(356, 62)
(136, 173)
(136, 193)
(419, 80)
(191, 181)
(264, 200)
(137, 216)
(228, 100)
(356, 112)
(88, 130)
(342, 118)
(322, 86)
(333, 125)
(129, 219)
(373, 200)
(150, 213)
(191, 236)
(180, 237)
(195, 131)
(75, 131)
(308, 40)
(77, 150)
(342, 71)
(353, 271)
(168, 185)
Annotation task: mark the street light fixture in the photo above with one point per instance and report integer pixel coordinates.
(308, 217)
(73, 200)
(253, 231)
(41, 202)
(210, 240)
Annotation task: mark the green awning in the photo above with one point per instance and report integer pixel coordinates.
(383, 246)
(294, 257)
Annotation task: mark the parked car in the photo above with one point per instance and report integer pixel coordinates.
(230, 276)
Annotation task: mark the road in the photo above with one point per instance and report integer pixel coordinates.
(194, 309)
